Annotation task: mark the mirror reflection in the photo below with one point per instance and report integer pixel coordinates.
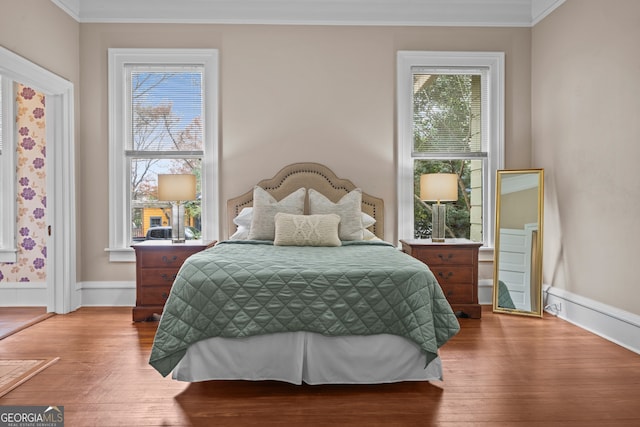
(518, 242)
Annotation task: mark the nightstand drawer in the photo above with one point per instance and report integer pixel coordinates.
(451, 274)
(444, 256)
(164, 259)
(458, 294)
(158, 277)
(154, 295)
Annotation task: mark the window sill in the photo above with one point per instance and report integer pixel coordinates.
(485, 254)
(9, 255)
(121, 254)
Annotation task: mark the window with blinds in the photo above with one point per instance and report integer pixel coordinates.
(448, 137)
(163, 119)
(447, 112)
(450, 110)
(165, 136)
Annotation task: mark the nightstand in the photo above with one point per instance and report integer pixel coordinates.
(454, 262)
(157, 264)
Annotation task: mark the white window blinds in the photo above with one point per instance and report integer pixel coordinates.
(166, 109)
(447, 111)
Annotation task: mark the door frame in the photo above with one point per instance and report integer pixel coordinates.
(59, 112)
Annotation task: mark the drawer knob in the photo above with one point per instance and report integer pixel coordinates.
(168, 260)
(445, 276)
(165, 295)
(445, 258)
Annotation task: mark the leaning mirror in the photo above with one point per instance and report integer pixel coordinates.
(517, 277)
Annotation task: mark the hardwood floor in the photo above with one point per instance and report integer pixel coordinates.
(499, 370)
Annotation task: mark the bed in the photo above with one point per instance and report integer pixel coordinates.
(305, 290)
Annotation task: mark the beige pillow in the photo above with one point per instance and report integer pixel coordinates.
(265, 208)
(307, 230)
(349, 208)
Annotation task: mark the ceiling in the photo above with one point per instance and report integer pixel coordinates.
(474, 13)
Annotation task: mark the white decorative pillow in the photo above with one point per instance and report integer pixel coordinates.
(265, 208)
(348, 208)
(306, 230)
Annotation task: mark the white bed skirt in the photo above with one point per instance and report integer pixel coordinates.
(297, 357)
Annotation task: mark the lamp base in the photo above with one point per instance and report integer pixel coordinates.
(438, 216)
(177, 223)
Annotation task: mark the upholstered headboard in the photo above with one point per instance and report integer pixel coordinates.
(308, 175)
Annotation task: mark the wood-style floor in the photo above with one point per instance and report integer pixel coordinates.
(500, 370)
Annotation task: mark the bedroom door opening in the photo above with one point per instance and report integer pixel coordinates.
(59, 226)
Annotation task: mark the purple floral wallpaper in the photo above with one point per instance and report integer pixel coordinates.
(31, 190)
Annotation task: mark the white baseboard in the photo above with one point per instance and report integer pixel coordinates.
(23, 294)
(106, 294)
(613, 324)
(485, 291)
(610, 323)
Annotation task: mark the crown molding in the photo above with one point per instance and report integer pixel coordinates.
(466, 13)
(540, 9)
(71, 7)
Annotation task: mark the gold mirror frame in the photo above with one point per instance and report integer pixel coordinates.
(517, 260)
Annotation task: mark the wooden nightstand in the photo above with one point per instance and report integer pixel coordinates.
(157, 264)
(454, 262)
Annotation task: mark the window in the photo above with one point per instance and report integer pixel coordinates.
(450, 119)
(163, 109)
(8, 249)
(155, 221)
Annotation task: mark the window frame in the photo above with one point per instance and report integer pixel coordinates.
(119, 181)
(494, 122)
(8, 246)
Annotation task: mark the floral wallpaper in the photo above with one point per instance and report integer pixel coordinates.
(31, 190)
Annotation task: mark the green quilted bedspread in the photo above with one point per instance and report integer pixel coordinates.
(246, 288)
(504, 297)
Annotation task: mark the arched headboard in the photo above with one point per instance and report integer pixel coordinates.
(308, 175)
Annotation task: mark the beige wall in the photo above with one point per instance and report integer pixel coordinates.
(586, 134)
(288, 94)
(327, 94)
(42, 33)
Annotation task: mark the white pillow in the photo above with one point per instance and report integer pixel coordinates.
(348, 208)
(244, 218)
(367, 220)
(306, 230)
(265, 208)
(242, 233)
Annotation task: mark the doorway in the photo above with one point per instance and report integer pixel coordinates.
(60, 184)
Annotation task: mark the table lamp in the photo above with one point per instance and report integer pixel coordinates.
(177, 188)
(438, 187)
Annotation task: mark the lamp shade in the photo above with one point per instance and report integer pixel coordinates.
(176, 187)
(439, 187)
